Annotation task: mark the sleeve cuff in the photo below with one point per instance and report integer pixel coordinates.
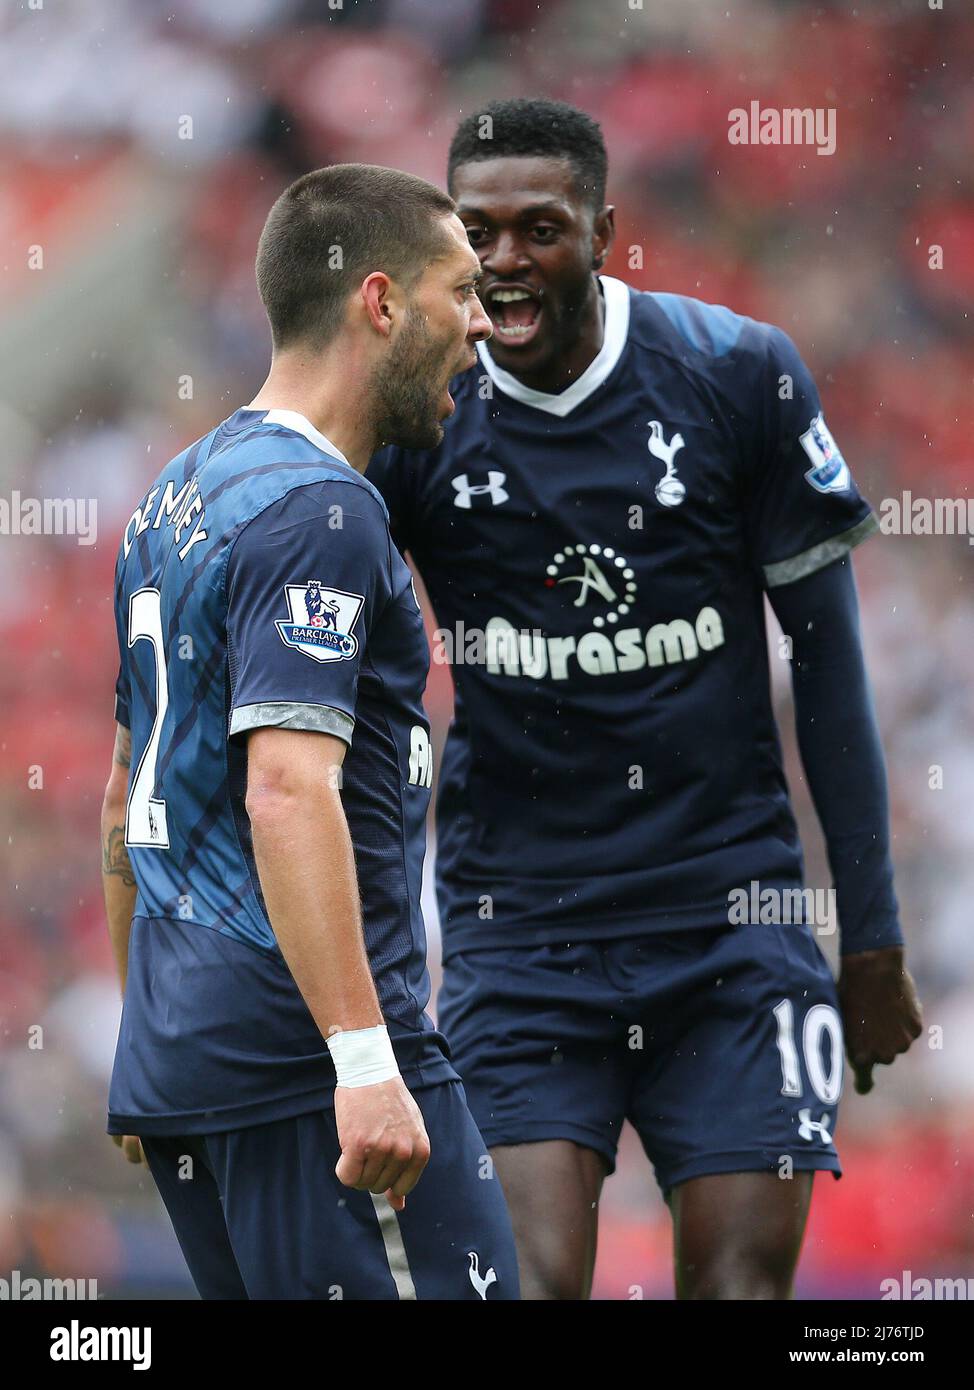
(787, 571)
(285, 714)
(870, 938)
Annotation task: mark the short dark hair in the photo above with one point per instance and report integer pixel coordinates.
(333, 227)
(535, 127)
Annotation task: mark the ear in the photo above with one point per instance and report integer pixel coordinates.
(379, 299)
(603, 235)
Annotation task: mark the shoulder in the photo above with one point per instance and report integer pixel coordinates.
(271, 467)
(334, 486)
(307, 501)
(705, 334)
(333, 505)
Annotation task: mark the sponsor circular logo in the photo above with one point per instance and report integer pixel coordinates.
(600, 572)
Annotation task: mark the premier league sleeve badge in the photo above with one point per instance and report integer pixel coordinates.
(321, 621)
(829, 471)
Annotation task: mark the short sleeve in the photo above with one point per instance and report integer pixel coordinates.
(394, 473)
(122, 715)
(123, 694)
(804, 509)
(306, 581)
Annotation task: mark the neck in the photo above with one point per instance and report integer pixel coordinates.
(568, 366)
(330, 395)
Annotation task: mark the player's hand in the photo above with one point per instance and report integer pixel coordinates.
(131, 1147)
(881, 1014)
(383, 1139)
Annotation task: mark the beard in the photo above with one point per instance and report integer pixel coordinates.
(405, 388)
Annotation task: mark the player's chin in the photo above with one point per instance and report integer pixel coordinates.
(426, 433)
(520, 355)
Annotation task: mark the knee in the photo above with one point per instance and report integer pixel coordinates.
(738, 1277)
(547, 1281)
(553, 1267)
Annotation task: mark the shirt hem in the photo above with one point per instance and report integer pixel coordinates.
(472, 936)
(417, 1078)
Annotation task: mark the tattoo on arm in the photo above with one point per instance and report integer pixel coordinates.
(115, 857)
(123, 747)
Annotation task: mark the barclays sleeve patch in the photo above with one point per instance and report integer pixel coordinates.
(321, 621)
(829, 471)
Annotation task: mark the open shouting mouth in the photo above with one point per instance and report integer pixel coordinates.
(515, 311)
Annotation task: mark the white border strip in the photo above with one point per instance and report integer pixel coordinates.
(810, 561)
(294, 420)
(395, 1249)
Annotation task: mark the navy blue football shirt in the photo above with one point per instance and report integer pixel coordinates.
(597, 562)
(257, 586)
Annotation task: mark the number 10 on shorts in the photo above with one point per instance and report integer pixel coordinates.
(819, 1020)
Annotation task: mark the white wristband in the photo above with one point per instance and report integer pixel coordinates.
(362, 1056)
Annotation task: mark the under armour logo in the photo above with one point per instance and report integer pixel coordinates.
(494, 487)
(480, 1283)
(669, 490)
(808, 1128)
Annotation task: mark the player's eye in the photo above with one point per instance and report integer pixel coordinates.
(544, 231)
(476, 235)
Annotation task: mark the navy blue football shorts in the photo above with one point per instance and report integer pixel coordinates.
(259, 1213)
(722, 1047)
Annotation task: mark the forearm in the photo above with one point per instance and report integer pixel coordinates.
(307, 875)
(118, 880)
(838, 738)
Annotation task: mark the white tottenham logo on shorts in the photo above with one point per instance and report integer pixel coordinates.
(481, 1282)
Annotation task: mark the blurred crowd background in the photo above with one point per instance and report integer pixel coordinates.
(141, 145)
